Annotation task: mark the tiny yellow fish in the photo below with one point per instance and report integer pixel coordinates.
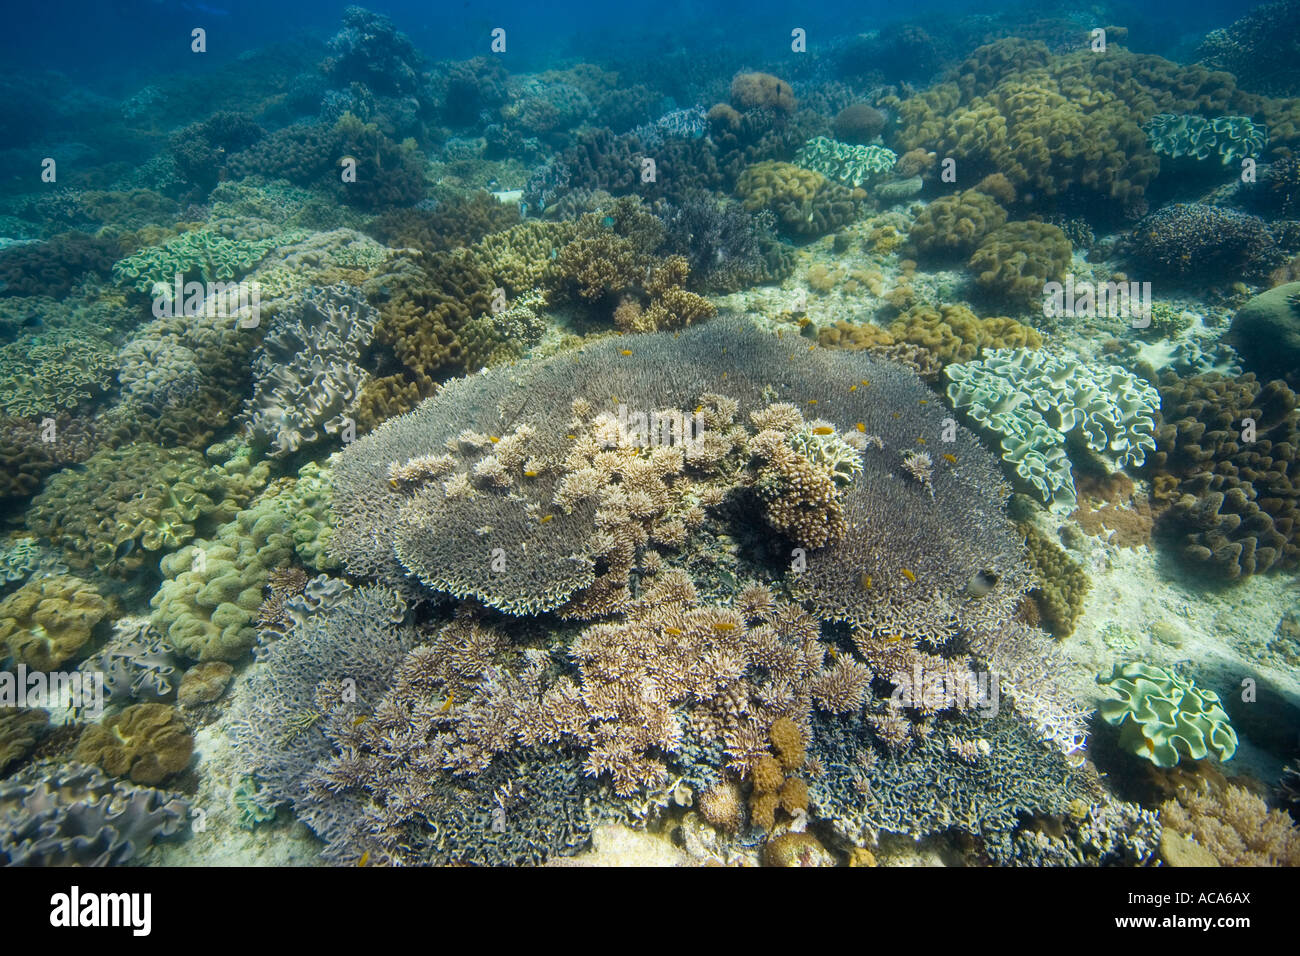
(614, 399)
(920, 441)
(811, 347)
(392, 482)
(812, 401)
(359, 720)
(493, 439)
(950, 458)
(365, 858)
(894, 638)
(864, 581)
(779, 333)
(627, 352)
(909, 575)
(853, 388)
(446, 704)
(861, 427)
(924, 402)
(530, 474)
(698, 409)
(834, 653)
(546, 518)
(571, 437)
(724, 625)
(724, 376)
(896, 414)
(674, 631)
(823, 430)
(865, 382)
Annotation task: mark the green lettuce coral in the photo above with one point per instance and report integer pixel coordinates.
(202, 254)
(1163, 717)
(846, 163)
(1229, 138)
(1041, 405)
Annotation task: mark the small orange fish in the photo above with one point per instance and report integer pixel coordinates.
(627, 352)
(724, 376)
(546, 518)
(811, 347)
(1150, 745)
(493, 439)
(698, 409)
(823, 430)
(861, 427)
(950, 458)
(812, 401)
(571, 437)
(894, 638)
(909, 575)
(920, 441)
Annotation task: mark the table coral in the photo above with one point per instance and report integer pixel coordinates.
(47, 621)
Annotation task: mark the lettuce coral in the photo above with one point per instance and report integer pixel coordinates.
(1227, 138)
(1163, 717)
(845, 163)
(1033, 401)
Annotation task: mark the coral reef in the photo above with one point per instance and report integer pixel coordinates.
(19, 729)
(1257, 50)
(858, 123)
(752, 91)
(1163, 717)
(804, 202)
(953, 333)
(135, 663)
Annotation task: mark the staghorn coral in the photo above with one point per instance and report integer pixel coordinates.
(1016, 260)
(47, 621)
(72, 815)
(146, 742)
(306, 372)
(1164, 717)
(955, 225)
(1034, 401)
(1234, 502)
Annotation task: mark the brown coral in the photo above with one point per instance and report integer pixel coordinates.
(750, 91)
(47, 621)
(147, 742)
